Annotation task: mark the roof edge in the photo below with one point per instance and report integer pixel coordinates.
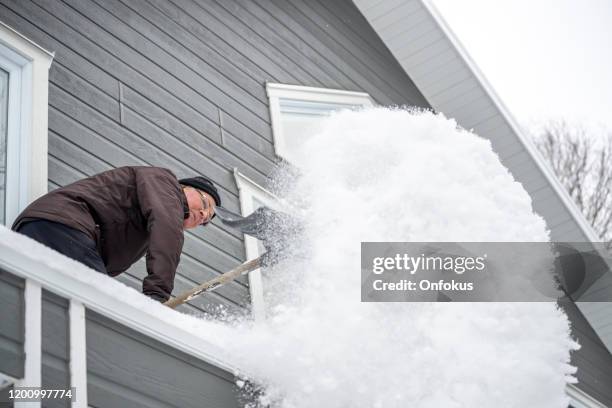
(584, 225)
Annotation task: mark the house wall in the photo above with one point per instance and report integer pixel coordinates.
(127, 369)
(593, 360)
(181, 84)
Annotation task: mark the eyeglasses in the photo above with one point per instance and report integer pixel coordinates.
(206, 211)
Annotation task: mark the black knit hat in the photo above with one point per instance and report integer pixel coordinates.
(204, 184)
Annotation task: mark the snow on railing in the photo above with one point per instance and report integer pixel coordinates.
(44, 268)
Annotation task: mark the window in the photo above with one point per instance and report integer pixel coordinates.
(24, 73)
(253, 196)
(297, 113)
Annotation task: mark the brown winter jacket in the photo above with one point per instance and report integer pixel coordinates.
(128, 212)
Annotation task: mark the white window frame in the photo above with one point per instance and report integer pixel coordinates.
(27, 139)
(247, 190)
(277, 91)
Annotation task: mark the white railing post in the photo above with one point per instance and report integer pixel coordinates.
(78, 354)
(32, 343)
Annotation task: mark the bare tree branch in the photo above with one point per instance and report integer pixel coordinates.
(583, 164)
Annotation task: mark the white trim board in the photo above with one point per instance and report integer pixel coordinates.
(305, 95)
(309, 93)
(78, 353)
(247, 190)
(32, 346)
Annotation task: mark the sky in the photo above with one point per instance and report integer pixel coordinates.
(546, 59)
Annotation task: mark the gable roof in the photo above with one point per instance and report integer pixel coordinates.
(437, 63)
(434, 59)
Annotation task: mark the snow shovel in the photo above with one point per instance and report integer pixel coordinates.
(273, 228)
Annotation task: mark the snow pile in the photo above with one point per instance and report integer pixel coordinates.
(394, 175)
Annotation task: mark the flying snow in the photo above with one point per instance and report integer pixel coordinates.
(383, 175)
(398, 175)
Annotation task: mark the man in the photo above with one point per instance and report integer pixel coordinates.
(112, 219)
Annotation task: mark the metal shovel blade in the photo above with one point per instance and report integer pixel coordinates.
(275, 229)
(253, 224)
(263, 223)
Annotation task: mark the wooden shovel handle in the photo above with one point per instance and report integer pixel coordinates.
(214, 283)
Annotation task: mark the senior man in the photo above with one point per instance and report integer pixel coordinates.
(110, 220)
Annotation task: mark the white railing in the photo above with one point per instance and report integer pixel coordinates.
(43, 268)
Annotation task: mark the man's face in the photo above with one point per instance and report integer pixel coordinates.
(201, 207)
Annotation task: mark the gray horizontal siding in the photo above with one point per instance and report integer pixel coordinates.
(600, 311)
(593, 360)
(5, 395)
(181, 84)
(127, 369)
(55, 339)
(12, 324)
